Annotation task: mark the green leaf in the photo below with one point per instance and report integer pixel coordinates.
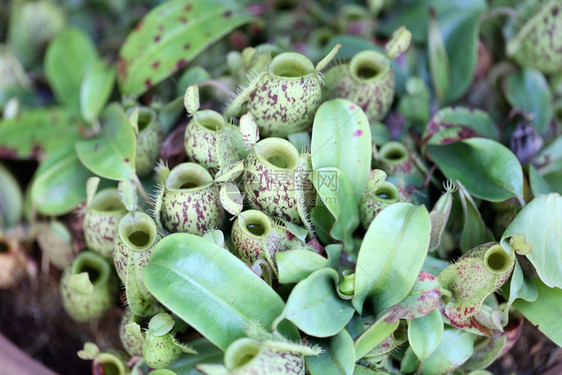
(455, 348)
(550, 157)
(192, 76)
(528, 90)
(95, 89)
(459, 24)
(341, 138)
(487, 169)
(112, 154)
(474, 232)
(297, 265)
(209, 288)
(373, 336)
(336, 193)
(454, 124)
(36, 131)
(538, 183)
(337, 357)
(11, 199)
(541, 223)
(545, 312)
(168, 115)
(314, 306)
(160, 324)
(425, 333)
(438, 60)
(60, 186)
(127, 194)
(170, 36)
(391, 255)
(67, 60)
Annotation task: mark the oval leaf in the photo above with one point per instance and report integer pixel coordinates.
(60, 187)
(391, 255)
(423, 297)
(112, 154)
(453, 124)
(170, 36)
(337, 357)
(314, 306)
(341, 138)
(67, 59)
(95, 89)
(425, 333)
(487, 169)
(37, 131)
(296, 265)
(528, 90)
(455, 348)
(209, 288)
(541, 223)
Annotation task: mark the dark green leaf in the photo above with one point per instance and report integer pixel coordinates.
(337, 357)
(538, 183)
(67, 60)
(112, 154)
(170, 36)
(391, 255)
(314, 306)
(541, 223)
(341, 138)
(486, 168)
(37, 131)
(206, 353)
(209, 288)
(529, 91)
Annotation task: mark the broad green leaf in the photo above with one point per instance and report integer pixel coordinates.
(528, 90)
(192, 76)
(336, 192)
(538, 183)
(11, 199)
(487, 169)
(474, 232)
(545, 312)
(37, 131)
(391, 255)
(452, 124)
(425, 333)
(60, 187)
(67, 60)
(541, 223)
(95, 89)
(423, 297)
(337, 357)
(373, 336)
(112, 154)
(209, 288)
(314, 306)
(170, 36)
(297, 265)
(341, 138)
(455, 348)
